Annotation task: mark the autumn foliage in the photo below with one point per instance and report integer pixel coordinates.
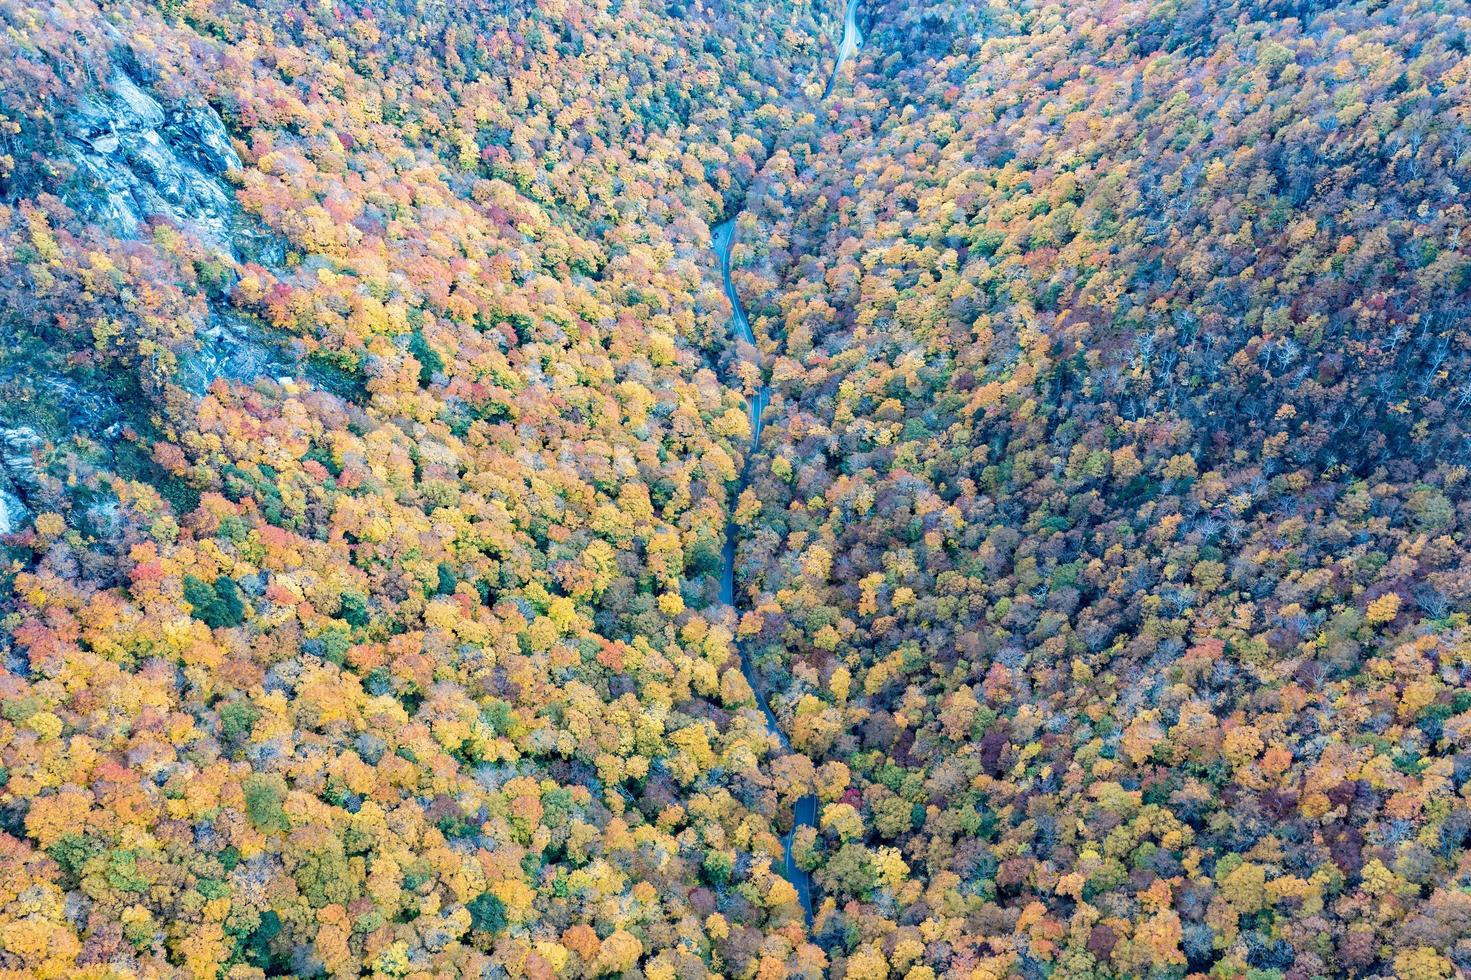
(1102, 559)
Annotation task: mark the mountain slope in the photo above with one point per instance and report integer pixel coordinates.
(1110, 529)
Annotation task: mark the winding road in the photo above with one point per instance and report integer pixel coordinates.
(848, 46)
(804, 811)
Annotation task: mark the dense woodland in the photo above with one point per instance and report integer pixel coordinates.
(370, 419)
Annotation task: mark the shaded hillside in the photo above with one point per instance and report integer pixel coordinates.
(1110, 527)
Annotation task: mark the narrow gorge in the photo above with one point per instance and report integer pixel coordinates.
(722, 236)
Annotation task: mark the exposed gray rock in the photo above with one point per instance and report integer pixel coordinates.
(200, 133)
(143, 161)
(18, 454)
(17, 475)
(229, 347)
(133, 159)
(12, 512)
(137, 160)
(136, 109)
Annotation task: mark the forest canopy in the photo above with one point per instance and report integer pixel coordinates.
(395, 583)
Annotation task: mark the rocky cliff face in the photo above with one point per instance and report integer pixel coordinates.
(136, 160)
(17, 474)
(133, 160)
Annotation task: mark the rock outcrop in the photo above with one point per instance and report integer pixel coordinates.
(17, 474)
(135, 160)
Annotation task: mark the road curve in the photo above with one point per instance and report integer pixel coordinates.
(848, 46)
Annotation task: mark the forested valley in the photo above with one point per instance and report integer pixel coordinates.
(753, 488)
